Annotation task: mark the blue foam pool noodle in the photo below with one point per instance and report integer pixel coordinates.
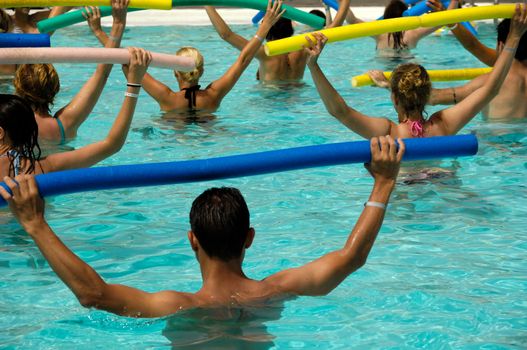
(154, 174)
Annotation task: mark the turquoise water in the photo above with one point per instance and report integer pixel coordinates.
(448, 269)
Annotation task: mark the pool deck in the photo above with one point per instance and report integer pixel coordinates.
(198, 16)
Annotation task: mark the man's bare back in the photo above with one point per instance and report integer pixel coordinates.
(287, 67)
(511, 102)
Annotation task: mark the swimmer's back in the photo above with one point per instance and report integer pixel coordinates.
(511, 101)
(289, 66)
(206, 102)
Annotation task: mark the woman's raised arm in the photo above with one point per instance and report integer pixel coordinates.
(94, 153)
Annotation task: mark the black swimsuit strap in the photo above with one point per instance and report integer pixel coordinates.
(190, 95)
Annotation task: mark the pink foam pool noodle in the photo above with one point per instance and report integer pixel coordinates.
(89, 55)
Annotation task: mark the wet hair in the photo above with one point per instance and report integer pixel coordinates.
(18, 121)
(219, 218)
(5, 21)
(319, 14)
(283, 28)
(411, 87)
(503, 32)
(191, 77)
(395, 9)
(38, 84)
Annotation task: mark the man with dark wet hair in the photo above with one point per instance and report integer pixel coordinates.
(220, 234)
(288, 67)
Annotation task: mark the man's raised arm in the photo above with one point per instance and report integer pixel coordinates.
(321, 276)
(89, 288)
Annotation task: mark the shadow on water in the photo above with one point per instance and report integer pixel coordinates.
(390, 59)
(223, 328)
(183, 119)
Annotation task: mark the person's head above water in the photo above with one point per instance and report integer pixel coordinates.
(411, 88)
(18, 131)
(220, 224)
(395, 9)
(5, 22)
(283, 28)
(503, 32)
(23, 10)
(319, 14)
(193, 76)
(38, 84)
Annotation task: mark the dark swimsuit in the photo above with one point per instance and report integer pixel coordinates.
(16, 160)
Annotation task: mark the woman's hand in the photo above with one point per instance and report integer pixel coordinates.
(386, 158)
(519, 22)
(24, 201)
(119, 10)
(272, 15)
(315, 47)
(139, 61)
(93, 17)
(435, 5)
(378, 78)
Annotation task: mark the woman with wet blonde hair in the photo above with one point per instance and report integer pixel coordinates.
(38, 84)
(191, 99)
(191, 77)
(410, 91)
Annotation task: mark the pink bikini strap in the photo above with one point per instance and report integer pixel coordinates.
(416, 128)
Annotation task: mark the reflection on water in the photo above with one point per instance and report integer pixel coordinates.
(427, 171)
(223, 328)
(6, 84)
(192, 117)
(283, 85)
(391, 58)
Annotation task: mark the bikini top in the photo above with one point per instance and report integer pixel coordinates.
(190, 95)
(16, 160)
(416, 127)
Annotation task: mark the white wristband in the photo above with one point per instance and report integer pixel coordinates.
(375, 204)
(130, 94)
(259, 38)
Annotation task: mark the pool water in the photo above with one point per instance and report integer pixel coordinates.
(448, 269)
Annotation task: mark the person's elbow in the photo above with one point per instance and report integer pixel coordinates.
(360, 261)
(115, 147)
(338, 110)
(91, 298)
(356, 260)
(112, 146)
(225, 34)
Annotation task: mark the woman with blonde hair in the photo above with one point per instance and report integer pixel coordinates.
(38, 84)
(410, 90)
(191, 99)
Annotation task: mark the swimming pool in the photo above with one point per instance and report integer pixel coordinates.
(447, 271)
